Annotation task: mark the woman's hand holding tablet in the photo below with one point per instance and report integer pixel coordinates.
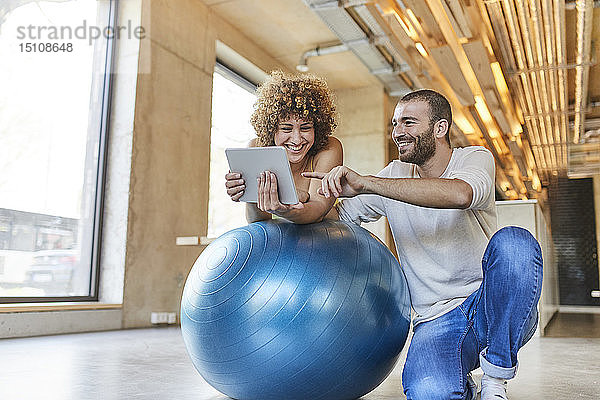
(248, 165)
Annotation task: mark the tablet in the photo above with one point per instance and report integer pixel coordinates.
(252, 161)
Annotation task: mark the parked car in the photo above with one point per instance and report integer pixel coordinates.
(52, 268)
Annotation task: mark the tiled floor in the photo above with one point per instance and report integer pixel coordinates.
(153, 364)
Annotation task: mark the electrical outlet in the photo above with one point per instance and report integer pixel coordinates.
(159, 318)
(186, 241)
(163, 317)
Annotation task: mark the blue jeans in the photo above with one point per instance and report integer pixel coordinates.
(486, 330)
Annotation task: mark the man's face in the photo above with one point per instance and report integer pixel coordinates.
(413, 133)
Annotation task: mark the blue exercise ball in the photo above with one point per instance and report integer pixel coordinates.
(276, 310)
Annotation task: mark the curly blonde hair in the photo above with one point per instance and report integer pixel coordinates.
(303, 96)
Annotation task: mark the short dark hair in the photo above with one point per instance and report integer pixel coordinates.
(439, 107)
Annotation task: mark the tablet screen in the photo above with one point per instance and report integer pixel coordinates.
(251, 162)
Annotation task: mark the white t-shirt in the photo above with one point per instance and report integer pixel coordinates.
(440, 250)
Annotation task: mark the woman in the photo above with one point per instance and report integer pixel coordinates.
(298, 113)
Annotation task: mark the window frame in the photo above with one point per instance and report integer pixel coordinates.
(103, 120)
(234, 76)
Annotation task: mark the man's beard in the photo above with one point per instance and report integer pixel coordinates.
(423, 149)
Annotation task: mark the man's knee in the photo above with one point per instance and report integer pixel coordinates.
(512, 242)
(432, 385)
(509, 237)
(428, 388)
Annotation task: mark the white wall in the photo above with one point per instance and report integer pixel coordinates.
(527, 214)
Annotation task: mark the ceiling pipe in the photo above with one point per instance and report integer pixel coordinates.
(582, 75)
(561, 59)
(528, 37)
(550, 57)
(525, 85)
(570, 4)
(539, 45)
(319, 51)
(505, 29)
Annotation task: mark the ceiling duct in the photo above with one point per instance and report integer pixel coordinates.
(358, 29)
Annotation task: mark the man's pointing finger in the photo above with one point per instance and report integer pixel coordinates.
(315, 175)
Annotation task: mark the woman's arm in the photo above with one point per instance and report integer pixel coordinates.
(254, 214)
(317, 207)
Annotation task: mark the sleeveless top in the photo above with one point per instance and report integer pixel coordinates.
(312, 169)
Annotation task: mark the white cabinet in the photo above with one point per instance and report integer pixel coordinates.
(527, 214)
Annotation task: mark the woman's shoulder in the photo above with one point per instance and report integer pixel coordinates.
(333, 146)
(329, 156)
(253, 143)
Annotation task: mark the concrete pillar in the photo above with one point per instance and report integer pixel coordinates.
(169, 181)
(169, 165)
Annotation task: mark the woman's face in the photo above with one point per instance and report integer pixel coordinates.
(297, 135)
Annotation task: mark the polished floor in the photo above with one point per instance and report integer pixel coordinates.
(574, 325)
(153, 364)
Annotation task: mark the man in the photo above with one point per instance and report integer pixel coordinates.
(474, 293)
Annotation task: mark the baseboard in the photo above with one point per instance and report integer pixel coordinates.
(579, 309)
(26, 324)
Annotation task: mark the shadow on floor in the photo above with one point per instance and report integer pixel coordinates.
(574, 325)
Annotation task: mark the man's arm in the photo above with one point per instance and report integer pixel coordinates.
(425, 192)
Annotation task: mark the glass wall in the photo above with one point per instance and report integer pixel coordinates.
(53, 113)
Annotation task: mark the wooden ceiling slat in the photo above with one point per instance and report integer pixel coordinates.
(429, 24)
(444, 56)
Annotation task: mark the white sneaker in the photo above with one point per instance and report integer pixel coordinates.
(493, 388)
(471, 387)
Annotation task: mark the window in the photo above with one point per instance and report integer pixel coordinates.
(53, 114)
(232, 105)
